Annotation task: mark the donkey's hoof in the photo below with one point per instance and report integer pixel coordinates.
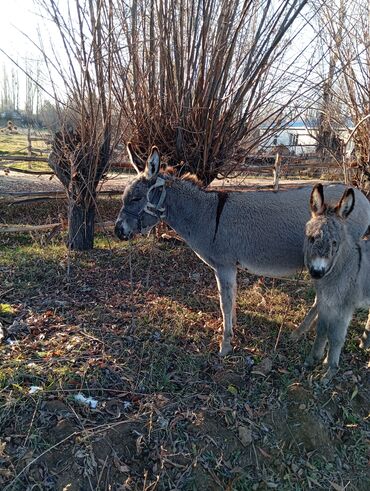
(365, 342)
(225, 349)
(310, 361)
(329, 375)
(295, 335)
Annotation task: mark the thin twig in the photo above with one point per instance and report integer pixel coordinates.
(132, 299)
(151, 255)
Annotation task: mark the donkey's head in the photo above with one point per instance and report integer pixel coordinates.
(143, 198)
(326, 231)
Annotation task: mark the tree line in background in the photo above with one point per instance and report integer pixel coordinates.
(21, 96)
(199, 79)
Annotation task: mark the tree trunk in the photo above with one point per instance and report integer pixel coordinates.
(81, 224)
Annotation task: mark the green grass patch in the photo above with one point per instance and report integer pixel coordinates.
(17, 143)
(6, 310)
(13, 144)
(32, 166)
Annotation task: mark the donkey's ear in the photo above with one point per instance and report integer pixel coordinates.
(135, 160)
(317, 200)
(153, 164)
(346, 204)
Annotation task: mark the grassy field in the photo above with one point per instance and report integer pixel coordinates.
(16, 144)
(135, 326)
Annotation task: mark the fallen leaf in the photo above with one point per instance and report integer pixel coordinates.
(120, 466)
(337, 487)
(263, 368)
(245, 435)
(354, 393)
(233, 390)
(264, 453)
(249, 410)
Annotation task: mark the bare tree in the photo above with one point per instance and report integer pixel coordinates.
(329, 40)
(89, 124)
(5, 91)
(347, 37)
(15, 88)
(30, 90)
(204, 76)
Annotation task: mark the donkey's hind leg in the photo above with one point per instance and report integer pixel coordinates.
(365, 340)
(307, 323)
(226, 282)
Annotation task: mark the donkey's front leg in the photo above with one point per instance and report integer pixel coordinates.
(365, 340)
(226, 282)
(307, 323)
(337, 330)
(318, 347)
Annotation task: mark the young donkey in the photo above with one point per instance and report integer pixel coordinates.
(340, 267)
(261, 231)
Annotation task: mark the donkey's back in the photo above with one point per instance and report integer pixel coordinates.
(264, 231)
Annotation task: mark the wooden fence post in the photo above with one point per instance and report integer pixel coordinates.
(29, 146)
(276, 171)
(345, 171)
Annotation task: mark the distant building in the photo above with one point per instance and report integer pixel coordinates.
(301, 138)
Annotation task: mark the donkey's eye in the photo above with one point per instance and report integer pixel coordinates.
(136, 198)
(334, 243)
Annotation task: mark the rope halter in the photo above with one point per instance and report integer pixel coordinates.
(156, 210)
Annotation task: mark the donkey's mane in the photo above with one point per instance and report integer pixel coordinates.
(188, 177)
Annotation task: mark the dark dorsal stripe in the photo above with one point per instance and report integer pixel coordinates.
(222, 198)
(359, 257)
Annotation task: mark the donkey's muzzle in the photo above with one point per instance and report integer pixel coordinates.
(118, 230)
(317, 273)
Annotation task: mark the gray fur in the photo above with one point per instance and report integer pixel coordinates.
(261, 231)
(340, 266)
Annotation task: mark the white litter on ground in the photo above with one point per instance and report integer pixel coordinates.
(34, 389)
(11, 341)
(88, 401)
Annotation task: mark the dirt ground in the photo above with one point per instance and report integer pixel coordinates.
(110, 378)
(135, 327)
(17, 182)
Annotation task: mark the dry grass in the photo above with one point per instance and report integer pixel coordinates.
(171, 414)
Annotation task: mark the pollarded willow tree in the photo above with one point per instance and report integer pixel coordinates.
(89, 120)
(204, 75)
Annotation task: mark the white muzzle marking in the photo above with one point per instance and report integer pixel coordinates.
(319, 263)
(126, 229)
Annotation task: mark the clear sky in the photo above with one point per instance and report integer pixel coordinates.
(20, 20)
(18, 15)
(23, 16)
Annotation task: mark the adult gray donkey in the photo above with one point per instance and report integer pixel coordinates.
(340, 267)
(261, 231)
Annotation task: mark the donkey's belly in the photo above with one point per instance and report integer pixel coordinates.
(273, 254)
(265, 261)
(274, 267)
